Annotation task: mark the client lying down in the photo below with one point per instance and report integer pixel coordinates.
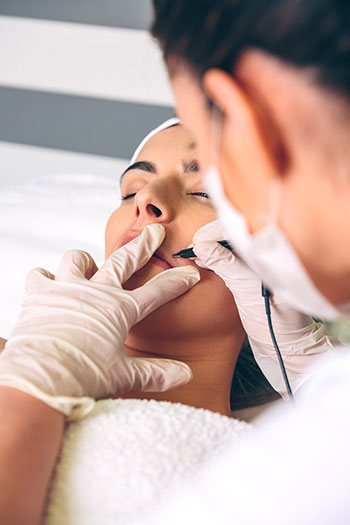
(126, 451)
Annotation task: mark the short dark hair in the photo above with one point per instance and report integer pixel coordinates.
(214, 33)
(249, 386)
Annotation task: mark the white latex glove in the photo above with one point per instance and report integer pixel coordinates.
(67, 347)
(301, 340)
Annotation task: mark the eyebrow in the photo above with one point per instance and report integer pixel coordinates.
(141, 165)
(191, 166)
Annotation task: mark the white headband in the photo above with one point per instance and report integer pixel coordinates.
(167, 124)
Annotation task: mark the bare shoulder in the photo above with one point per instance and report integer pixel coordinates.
(2, 343)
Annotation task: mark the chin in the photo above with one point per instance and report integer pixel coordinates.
(142, 276)
(191, 315)
(165, 321)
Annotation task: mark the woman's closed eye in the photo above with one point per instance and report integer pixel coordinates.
(200, 194)
(128, 196)
(195, 193)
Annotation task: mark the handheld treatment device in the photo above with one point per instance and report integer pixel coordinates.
(188, 253)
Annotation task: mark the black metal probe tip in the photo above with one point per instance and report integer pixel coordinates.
(188, 253)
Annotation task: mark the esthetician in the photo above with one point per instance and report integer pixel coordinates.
(264, 88)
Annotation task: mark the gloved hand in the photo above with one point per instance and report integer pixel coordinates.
(301, 340)
(67, 347)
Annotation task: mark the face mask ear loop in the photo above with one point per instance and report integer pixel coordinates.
(215, 139)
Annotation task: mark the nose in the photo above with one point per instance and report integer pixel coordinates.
(155, 202)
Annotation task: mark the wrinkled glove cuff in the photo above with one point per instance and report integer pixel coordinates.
(74, 408)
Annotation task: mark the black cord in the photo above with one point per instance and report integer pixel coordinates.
(266, 295)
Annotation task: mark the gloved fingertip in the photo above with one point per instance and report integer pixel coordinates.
(155, 229)
(182, 376)
(76, 264)
(35, 278)
(190, 271)
(167, 375)
(90, 267)
(210, 231)
(212, 256)
(44, 273)
(189, 275)
(155, 226)
(205, 249)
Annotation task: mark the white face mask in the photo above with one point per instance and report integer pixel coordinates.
(269, 253)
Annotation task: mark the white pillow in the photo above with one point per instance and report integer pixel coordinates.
(42, 219)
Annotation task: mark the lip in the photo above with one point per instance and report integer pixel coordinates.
(158, 258)
(128, 236)
(161, 257)
(157, 261)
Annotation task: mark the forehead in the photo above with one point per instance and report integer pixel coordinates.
(175, 140)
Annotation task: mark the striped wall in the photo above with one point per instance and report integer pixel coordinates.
(81, 82)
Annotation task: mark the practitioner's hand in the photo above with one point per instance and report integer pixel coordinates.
(67, 347)
(301, 340)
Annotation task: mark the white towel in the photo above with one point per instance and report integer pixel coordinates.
(127, 454)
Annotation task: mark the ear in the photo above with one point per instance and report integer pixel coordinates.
(251, 146)
(244, 106)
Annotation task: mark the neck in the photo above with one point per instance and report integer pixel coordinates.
(212, 361)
